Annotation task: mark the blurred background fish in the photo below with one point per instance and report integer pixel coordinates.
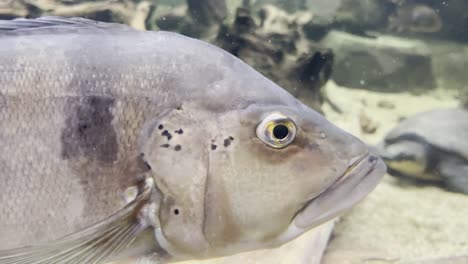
(416, 18)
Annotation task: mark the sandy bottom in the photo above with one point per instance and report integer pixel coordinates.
(398, 222)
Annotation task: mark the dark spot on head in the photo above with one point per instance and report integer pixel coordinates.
(176, 211)
(227, 142)
(180, 131)
(160, 127)
(147, 165)
(165, 146)
(213, 146)
(167, 134)
(231, 138)
(177, 147)
(372, 159)
(179, 107)
(88, 129)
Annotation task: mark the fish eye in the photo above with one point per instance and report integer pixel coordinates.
(280, 131)
(277, 130)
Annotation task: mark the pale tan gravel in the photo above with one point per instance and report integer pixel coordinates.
(399, 222)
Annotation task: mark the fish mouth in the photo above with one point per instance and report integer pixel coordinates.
(360, 178)
(355, 165)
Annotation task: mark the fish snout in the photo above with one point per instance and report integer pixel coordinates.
(354, 151)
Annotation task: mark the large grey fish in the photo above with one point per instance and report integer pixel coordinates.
(117, 143)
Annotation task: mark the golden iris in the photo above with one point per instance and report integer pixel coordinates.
(277, 130)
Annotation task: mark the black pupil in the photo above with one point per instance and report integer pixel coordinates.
(280, 131)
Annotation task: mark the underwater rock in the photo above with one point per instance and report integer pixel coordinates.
(384, 63)
(278, 49)
(386, 104)
(367, 125)
(356, 17)
(360, 16)
(317, 28)
(450, 60)
(464, 99)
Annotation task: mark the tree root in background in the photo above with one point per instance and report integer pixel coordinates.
(272, 41)
(133, 13)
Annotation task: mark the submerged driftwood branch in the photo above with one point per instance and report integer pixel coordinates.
(276, 47)
(198, 19)
(207, 12)
(133, 13)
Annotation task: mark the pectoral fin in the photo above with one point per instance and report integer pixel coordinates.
(93, 245)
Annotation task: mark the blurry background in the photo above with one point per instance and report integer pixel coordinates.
(366, 65)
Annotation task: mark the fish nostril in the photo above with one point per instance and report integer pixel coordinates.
(372, 159)
(357, 159)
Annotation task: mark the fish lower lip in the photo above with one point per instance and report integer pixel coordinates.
(351, 168)
(355, 163)
(361, 177)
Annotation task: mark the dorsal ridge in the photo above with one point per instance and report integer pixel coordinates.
(55, 22)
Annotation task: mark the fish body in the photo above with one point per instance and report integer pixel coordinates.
(108, 133)
(429, 146)
(415, 18)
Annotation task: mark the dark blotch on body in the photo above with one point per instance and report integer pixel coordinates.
(180, 131)
(177, 147)
(165, 145)
(160, 127)
(89, 131)
(214, 147)
(2, 102)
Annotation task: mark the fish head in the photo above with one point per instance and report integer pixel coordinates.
(253, 177)
(415, 18)
(425, 19)
(407, 156)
